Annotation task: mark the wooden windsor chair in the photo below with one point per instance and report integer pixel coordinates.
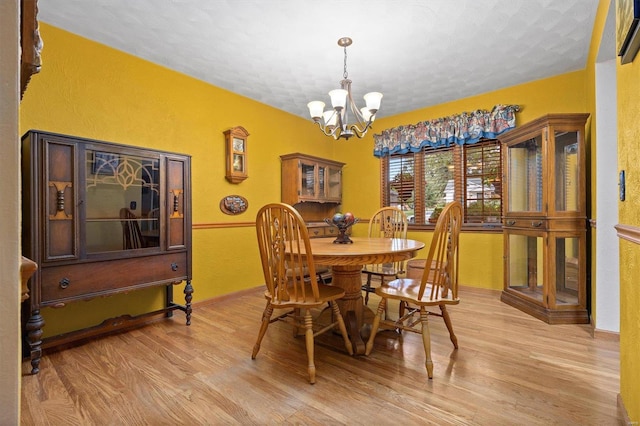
(438, 286)
(287, 264)
(387, 222)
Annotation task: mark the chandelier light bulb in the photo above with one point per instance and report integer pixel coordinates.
(315, 109)
(373, 100)
(330, 118)
(367, 114)
(338, 98)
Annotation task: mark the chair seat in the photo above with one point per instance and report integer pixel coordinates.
(327, 293)
(387, 222)
(323, 273)
(407, 289)
(383, 269)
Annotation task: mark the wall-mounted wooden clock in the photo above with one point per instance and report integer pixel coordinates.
(236, 154)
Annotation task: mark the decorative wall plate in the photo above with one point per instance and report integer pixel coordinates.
(234, 204)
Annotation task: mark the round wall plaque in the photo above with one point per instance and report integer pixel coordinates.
(234, 204)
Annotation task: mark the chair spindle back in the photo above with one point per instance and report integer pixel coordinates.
(443, 254)
(285, 252)
(388, 222)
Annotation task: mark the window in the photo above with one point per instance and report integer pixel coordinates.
(422, 183)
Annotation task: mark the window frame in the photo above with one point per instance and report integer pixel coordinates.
(460, 176)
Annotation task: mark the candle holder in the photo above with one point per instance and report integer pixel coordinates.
(343, 222)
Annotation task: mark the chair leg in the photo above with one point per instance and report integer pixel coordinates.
(401, 308)
(426, 340)
(367, 289)
(342, 327)
(266, 317)
(296, 322)
(447, 321)
(386, 305)
(308, 325)
(376, 323)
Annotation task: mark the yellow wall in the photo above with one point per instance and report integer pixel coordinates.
(628, 77)
(628, 110)
(90, 90)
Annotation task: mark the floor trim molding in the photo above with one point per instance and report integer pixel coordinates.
(622, 414)
(228, 296)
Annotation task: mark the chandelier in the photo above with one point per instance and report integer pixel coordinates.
(335, 122)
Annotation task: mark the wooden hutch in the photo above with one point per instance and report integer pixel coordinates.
(313, 186)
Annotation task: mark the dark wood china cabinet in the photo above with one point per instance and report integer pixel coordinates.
(99, 219)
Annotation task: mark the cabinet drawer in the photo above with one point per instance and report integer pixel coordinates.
(530, 223)
(322, 231)
(316, 231)
(88, 280)
(331, 231)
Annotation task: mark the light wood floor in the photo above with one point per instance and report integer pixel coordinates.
(511, 369)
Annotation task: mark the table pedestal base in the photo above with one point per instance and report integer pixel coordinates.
(351, 306)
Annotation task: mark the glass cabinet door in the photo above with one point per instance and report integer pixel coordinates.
(322, 190)
(527, 257)
(526, 265)
(308, 180)
(334, 183)
(567, 171)
(122, 201)
(524, 163)
(567, 287)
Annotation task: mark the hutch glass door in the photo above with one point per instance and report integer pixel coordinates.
(122, 201)
(308, 183)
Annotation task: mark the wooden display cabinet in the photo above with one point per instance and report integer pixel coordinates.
(310, 179)
(99, 219)
(545, 223)
(313, 186)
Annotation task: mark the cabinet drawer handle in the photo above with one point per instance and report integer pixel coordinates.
(511, 222)
(174, 267)
(536, 224)
(64, 283)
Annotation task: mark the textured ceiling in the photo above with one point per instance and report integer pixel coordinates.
(284, 53)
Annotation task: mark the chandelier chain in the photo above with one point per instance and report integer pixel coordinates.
(345, 74)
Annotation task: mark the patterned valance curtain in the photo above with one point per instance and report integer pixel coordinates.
(464, 128)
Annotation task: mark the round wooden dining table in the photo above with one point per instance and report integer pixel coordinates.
(347, 260)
